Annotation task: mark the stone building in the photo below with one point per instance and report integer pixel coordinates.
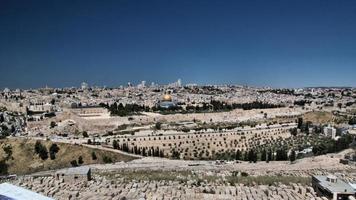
(332, 187)
(82, 173)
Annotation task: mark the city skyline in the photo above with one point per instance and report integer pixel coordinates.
(276, 44)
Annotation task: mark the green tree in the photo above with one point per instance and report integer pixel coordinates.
(8, 151)
(238, 155)
(53, 124)
(3, 167)
(263, 155)
(269, 155)
(158, 126)
(292, 156)
(41, 150)
(80, 160)
(74, 163)
(300, 122)
(85, 134)
(115, 144)
(93, 155)
(107, 159)
(53, 150)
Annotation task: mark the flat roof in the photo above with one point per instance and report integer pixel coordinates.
(83, 170)
(13, 192)
(339, 186)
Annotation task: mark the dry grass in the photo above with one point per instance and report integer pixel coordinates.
(318, 117)
(24, 160)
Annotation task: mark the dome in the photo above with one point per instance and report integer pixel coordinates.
(167, 97)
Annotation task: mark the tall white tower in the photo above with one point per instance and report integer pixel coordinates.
(179, 83)
(84, 86)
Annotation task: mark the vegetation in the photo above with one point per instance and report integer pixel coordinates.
(107, 159)
(185, 176)
(24, 151)
(268, 180)
(53, 124)
(158, 125)
(214, 106)
(3, 167)
(74, 163)
(80, 160)
(41, 150)
(93, 156)
(125, 110)
(85, 134)
(53, 150)
(329, 145)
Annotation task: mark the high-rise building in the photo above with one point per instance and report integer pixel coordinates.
(179, 83)
(84, 86)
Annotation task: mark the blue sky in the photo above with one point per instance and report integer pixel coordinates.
(262, 43)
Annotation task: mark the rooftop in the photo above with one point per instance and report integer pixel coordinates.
(339, 186)
(12, 192)
(83, 170)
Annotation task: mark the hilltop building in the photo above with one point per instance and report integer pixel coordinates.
(166, 102)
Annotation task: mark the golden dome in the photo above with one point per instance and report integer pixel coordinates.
(167, 97)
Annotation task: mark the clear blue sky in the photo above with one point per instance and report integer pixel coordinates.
(263, 43)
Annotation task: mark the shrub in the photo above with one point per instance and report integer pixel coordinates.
(3, 167)
(107, 159)
(53, 124)
(74, 163)
(93, 155)
(80, 160)
(53, 150)
(158, 126)
(41, 150)
(85, 134)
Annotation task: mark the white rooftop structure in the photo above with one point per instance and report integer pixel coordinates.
(12, 192)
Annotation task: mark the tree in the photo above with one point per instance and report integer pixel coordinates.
(107, 159)
(339, 105)
(53, 124)
(300, 122)
(158, 126)
(175, 154)
(161, 153)
(80, 160)
(93, 155)
(269, 156)
(292, 156)
(252, 156)
(294, 131)
(41, 150)
(281, 154)
(352, 121)
(115, 144)
(263, 155)
(85, 134)
(238, 155)
(74, 163)
(2, 119)
(53, 150)
(8, 151)
(3, 167)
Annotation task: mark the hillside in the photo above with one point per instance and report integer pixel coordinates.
(318, 117)
(24, 160)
